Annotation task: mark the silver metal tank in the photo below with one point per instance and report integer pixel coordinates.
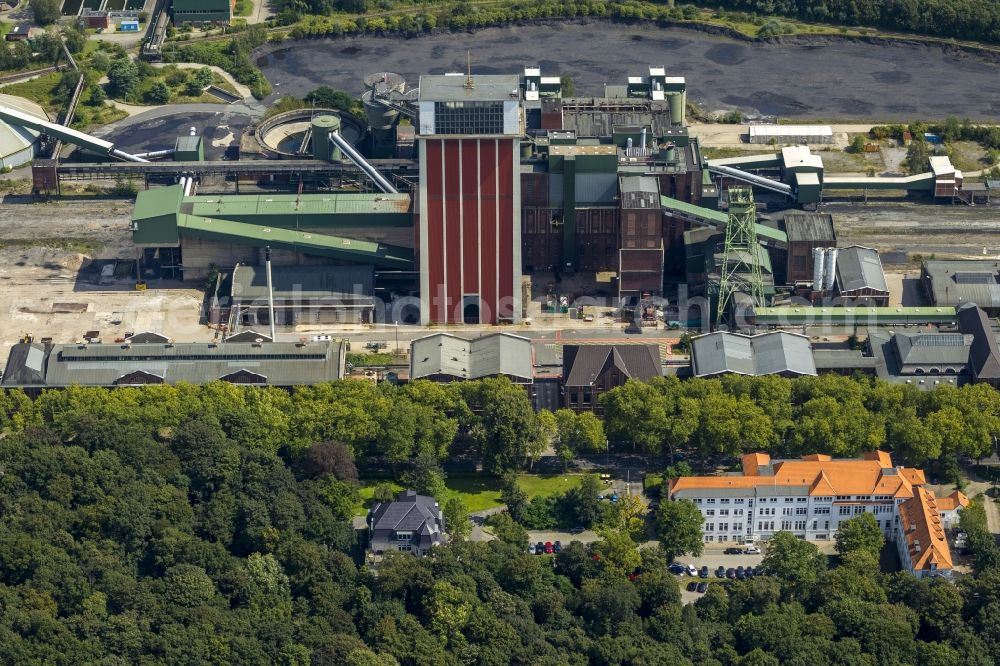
(830, 268)
(819, 255)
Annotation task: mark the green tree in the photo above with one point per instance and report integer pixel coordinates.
(566, 84)
(46, 11)
(123, 76)
(861, 533)
(426, 476)
(203, 77)
(193, 88)
(798, 564)
(583, 503)
(383, 493)
(158, 93)
(637, 415)
(617, 552)
(678, 524)
(506, 426)
(858, 144)
(96, 96)
(75, 40)
(917, 156)
(456, 519)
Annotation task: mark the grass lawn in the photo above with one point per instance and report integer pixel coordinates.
(968, 156)
(481, 492)
(840, 161)
(38, 90)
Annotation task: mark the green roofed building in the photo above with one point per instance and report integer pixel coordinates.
(222, 231)
(851, 316)
(202, 11)
(36, 366)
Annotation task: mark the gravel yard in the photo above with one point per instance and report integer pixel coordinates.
(48, 282)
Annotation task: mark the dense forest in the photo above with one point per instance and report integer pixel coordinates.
(977, 20)
(212, 524)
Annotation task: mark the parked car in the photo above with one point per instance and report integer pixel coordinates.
(576, 530)
(692, 586)
(556, 546)
(750, 572)
(692, 570)
(733, 551)
(539, 548)
(730, 573)
(676, 568)
(752, 550)
(548, 547)
(703, 587)
(703, 573)
(720, 572)
(741, 573)
(614, 497)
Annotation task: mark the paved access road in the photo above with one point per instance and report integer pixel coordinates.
(826, 78)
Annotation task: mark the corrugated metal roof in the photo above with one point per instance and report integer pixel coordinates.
(223, 207)
(273, 364)
(639, 192)
(349, 283)
(309, 243)
(801, 226)
(778, 131)
(965, 281)
(490, 355)
(157, 202)
(767, 354)
(859, 267)
(932, 348)
(596, 188)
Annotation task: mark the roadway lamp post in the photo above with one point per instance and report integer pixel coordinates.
(396, 325)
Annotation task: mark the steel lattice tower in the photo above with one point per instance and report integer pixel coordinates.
(741, 254)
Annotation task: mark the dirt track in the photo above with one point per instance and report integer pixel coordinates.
(828, 79)
(903, 229)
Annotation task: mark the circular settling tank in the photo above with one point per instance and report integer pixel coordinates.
(288, 135)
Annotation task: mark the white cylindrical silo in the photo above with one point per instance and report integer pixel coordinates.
(830, 268)
(818, 257)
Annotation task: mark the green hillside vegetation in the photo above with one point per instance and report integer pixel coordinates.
(212, 525)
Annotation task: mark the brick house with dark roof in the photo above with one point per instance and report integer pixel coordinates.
(591, 370)
(411, 524)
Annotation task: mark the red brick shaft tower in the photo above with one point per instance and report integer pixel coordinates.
(470, 213)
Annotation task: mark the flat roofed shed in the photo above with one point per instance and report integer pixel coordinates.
(347, 283)
(484, 88)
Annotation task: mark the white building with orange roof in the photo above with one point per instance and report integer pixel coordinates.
(808, 497)
(920, 538)
(950, 507)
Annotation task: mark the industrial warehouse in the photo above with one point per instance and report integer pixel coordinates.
(462, 200)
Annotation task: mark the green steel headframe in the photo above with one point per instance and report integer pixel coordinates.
(741, 254)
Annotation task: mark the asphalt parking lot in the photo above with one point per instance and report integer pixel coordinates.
(713, 558)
